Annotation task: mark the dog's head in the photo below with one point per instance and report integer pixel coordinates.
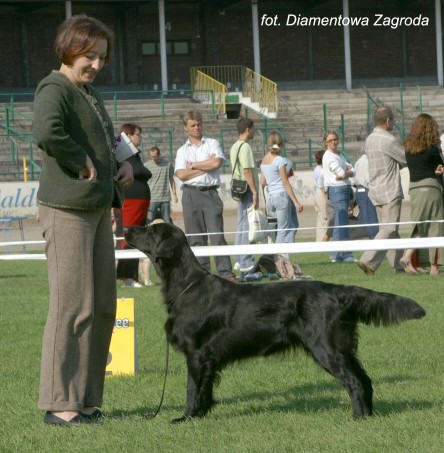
(157, 241)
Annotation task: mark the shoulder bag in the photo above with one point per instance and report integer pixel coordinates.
(239, 187)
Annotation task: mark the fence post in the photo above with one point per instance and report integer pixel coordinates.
(401, 89)
(324, 108)
(170, 139)
(162, 98)
(420, 98)
(11, 103)
(115, 105)
(343, 131)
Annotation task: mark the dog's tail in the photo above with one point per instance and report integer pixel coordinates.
(372, 307)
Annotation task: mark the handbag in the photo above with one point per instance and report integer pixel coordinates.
(239, 187)
(257, 225)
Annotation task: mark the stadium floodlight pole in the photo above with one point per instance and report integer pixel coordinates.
(256, 48)
(162, 39)
(347, 53)
(68, 9)
(438, 31)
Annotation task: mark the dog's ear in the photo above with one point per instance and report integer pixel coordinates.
(164, 247)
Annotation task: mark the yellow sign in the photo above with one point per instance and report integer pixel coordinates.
(122, 356)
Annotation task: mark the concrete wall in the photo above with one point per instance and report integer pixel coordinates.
(20, 198)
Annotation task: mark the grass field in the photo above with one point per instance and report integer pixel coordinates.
(282, 403)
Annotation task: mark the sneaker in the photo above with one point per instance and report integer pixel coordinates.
(349, 259)
(130, 283)
(236, 266)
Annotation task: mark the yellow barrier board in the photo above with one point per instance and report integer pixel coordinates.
(122, 352)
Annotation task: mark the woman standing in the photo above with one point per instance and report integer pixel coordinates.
(280, 192)
(135, 207)
(80, 180)
(425, 164)
(325, 214)
(337, 172)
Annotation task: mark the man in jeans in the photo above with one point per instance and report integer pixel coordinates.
(242, 163)
(385, 158)
(197, 166)
(160, 184)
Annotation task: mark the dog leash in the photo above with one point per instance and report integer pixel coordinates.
(167, 362)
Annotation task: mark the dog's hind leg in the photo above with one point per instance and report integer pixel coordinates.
(346, 368)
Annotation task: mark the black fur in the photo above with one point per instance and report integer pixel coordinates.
(214, 321)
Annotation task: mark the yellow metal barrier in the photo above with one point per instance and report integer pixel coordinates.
(240, 78)
(207, 89)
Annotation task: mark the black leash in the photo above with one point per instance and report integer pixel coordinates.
(167, 361)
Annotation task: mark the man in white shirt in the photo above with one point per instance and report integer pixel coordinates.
(197, 166)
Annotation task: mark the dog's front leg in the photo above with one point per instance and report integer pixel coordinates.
(191, 401)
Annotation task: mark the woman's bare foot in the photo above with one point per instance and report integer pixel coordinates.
(406, 264)
(434, 270)
(65, 415)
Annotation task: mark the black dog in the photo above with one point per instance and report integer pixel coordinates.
(214, 321)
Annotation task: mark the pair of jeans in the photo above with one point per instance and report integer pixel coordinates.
(279, 206)
(164, 207)
(245, 261)
(339, 197)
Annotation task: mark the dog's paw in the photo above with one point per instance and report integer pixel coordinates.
(182, 419)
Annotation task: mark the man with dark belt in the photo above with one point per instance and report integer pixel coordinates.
(197, 166)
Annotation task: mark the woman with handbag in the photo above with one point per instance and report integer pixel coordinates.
(135, 207)
(280, 193)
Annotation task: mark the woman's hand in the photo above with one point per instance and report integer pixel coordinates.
(125, 175)
(439, 170)
(299, 207)
(88, 171)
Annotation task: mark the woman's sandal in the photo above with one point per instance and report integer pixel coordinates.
(408, 267)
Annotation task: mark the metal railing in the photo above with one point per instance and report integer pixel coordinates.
(208, 90)
(373, 103)
(242, 79)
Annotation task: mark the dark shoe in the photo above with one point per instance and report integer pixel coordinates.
(99, 415)
(51, 419)
(367, 270)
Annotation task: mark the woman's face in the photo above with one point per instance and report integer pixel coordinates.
(332, 142)
(136, 138)
(85, 68)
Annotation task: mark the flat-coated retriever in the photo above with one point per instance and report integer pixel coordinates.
(214, 321)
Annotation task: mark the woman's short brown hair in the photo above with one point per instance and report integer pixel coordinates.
(78, 35)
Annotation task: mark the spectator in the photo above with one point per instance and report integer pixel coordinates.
(78, 184)
(280, 193)
(337, 172)
(242, 162)
(325, 213)
(425, 163)
(367, 211)
(294, 215)
(197, 166)
(162, 175)
(386, 157)
(135, 207)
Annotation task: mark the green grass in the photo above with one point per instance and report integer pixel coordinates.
(282, 403)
